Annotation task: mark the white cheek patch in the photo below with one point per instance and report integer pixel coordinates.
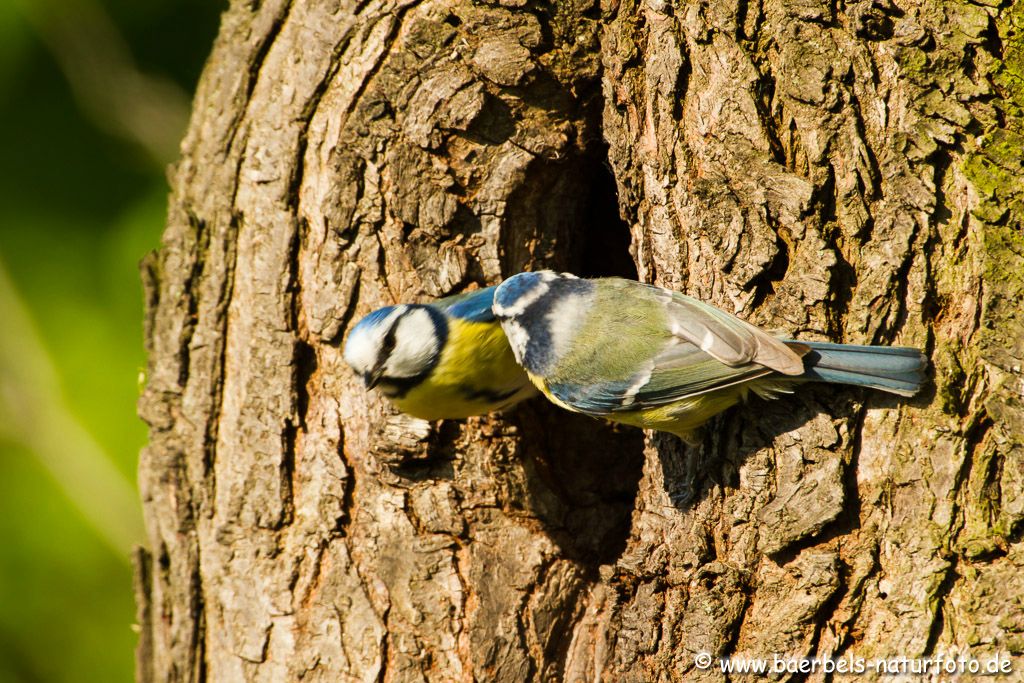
(564, 320)
(517, 339)
(416, 346)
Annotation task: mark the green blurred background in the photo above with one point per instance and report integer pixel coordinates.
(95, 96)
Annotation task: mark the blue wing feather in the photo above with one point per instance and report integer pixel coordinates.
(591, 398)
(664, 385)
(894, 369)
(473, 307)
(890, 368)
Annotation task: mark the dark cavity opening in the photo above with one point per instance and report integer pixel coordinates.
(603, 238)
(305, 364)
(582, 473)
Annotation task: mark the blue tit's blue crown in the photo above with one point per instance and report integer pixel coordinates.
(513, 291)
(375, 318)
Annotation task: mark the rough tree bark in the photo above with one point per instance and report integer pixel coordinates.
(849, 171)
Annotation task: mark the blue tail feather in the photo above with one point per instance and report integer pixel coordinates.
(898, 370)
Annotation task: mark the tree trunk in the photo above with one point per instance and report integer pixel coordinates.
(844, 171)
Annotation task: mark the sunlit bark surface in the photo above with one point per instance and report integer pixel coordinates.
(844, 171)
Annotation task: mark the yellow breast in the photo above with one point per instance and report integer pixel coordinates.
(476, 374)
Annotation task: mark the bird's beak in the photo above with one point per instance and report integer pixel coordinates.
(372, 378)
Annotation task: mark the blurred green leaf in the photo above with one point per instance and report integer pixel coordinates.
(80, 204)
(65, 607)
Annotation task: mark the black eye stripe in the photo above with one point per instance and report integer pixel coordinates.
(388, 345)
(398, 387)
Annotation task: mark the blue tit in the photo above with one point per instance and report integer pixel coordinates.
(657, 359)
(447, 359)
